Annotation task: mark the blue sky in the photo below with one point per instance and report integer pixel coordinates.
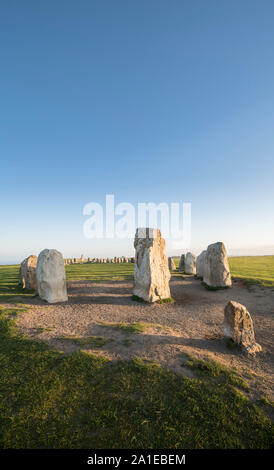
(147, 100)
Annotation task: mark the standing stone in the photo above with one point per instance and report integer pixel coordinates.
(151, 273)
(82, 259)
(171, 264)
(238, 326)
(200, 261)
(28, 278)
(133, 259)
(51, 276)
(190, 263)
(126, 260)
(216, 271)
(182, 263)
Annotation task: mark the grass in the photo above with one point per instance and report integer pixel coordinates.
(9, 284)
(136, 298)
(50, 400)
(100, 272)
(88, 341)
(131, 328)
(253, 269)
(168, 300)
(213, 288)
(215, 370)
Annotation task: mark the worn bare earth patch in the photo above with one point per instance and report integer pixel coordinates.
(192, 325)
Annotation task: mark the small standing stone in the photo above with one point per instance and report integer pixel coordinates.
(216, 271)
(238, 326)
(182, 263)
(171, 264)
(28, 278)
(200, 261)
(51, 276)
(151, 273)
(190, 263)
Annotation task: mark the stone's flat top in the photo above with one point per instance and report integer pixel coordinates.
(146, 232)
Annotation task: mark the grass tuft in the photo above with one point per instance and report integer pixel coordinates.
(165, 301)
(213, 288)
(88, 341)
(136, 298)
(131, 328)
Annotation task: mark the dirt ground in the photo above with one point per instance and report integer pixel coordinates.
(193, 325)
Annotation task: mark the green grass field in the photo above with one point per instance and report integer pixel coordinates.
(49, 400)
(253, 269)
(100, 272)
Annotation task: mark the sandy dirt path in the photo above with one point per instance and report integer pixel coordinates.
(193, 324)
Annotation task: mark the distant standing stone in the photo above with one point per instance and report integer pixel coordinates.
(182, 263)
(216, 271)
(51, 276)
(151, 273)
(190, 263)
(28, 278)
(171, 264)
(238, 326)
(200, 261)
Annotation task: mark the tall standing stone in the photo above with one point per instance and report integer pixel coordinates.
(216, 271)
(190, 263)
(171, 264)
(51, 276)
(151, 273)
(182, 263)
(28, 278)
(238, 326)
(200, 262)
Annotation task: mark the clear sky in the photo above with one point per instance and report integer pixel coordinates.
(149, 100)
